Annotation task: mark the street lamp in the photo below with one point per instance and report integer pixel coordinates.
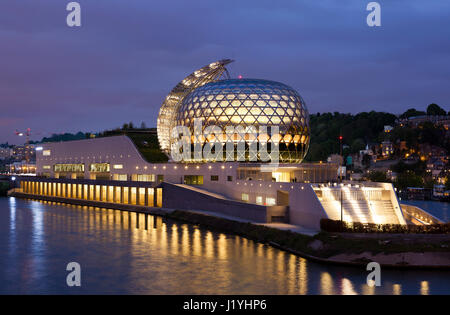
(340, 166)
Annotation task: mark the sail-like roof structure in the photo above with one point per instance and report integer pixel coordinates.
(169, 109)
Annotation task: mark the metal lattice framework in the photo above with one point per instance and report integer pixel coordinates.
(169, 108)
(251, 102)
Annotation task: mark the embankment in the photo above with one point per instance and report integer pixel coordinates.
(431, 252)
(391, 251)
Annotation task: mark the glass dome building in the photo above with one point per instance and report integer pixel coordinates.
(250, 102)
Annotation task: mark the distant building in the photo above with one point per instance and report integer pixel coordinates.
(367, 151)
(402, 146)
(388, 129)
(418, 193)
(417, 120)
(432, 151)
(387, 148)
(336, 159)
(21, 152)
(22, 168)
(5, 153)
(439, 192)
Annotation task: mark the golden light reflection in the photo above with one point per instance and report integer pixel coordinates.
(424, 288)
(230, 259)
(303, 276)
(368, 289)
(174, 239)
(185, 242)
(196, 242)
(347, 287)
(222, 246)
(326, 284)
(209, 245)
(397, 289)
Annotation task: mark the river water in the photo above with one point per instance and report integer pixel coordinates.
(126, 253)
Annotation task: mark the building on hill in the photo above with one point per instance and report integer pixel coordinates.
(5, 153)
(417, 120)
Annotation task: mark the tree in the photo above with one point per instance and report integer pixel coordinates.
(412, 112)
(435, 110)
(377, 176)
(143, 126)
(366, 160)
(408, 179)
(357, 144)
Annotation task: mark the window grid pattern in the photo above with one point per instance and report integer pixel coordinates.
(250, 102)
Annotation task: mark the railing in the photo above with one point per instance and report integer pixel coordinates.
(413, 213)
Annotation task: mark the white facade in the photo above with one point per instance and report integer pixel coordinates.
(117, 158)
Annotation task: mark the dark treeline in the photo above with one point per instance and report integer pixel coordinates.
(367, 128)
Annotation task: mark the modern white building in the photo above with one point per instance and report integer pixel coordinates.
(240, 183)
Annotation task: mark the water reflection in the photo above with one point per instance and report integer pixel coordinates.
(123, 252)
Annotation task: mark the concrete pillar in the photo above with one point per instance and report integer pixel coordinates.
(159, 197)
(151, 197)
(114, 196)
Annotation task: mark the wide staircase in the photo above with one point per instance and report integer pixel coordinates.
(357, 204)
(387, 209)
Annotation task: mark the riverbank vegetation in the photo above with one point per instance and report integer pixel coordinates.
(357, 227)
(4, 186)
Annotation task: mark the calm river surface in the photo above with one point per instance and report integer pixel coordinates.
(119, 252)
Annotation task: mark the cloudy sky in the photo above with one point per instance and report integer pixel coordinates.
(128, 54)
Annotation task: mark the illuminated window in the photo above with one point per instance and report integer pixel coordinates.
(259, 200)
(193, 180)
(99, 167)
(118, 166)
(271, 201)
(245, 197)
(46, 167)
(46, 153)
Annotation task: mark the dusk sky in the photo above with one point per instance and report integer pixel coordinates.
(128, 54)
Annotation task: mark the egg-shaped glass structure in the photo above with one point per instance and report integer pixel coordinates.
(251, 102)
